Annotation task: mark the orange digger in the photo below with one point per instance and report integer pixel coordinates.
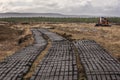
(103, 22)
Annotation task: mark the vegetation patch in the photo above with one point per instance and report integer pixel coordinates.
(26, 20)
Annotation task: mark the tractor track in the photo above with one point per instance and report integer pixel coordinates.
(97, 62)
(60, 61)
(17, 65)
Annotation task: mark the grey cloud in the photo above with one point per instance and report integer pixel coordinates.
(93, 7)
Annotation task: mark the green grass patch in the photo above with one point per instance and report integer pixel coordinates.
(54, 20)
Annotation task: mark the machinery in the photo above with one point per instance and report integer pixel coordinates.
(103, 22)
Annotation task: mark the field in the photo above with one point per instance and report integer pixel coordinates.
(16, 34)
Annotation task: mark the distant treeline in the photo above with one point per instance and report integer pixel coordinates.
(54, 20)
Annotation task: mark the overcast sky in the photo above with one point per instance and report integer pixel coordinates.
(79, 7)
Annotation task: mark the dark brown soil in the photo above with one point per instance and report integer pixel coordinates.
(7, 33)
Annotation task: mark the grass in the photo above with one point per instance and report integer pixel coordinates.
(57, 20)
